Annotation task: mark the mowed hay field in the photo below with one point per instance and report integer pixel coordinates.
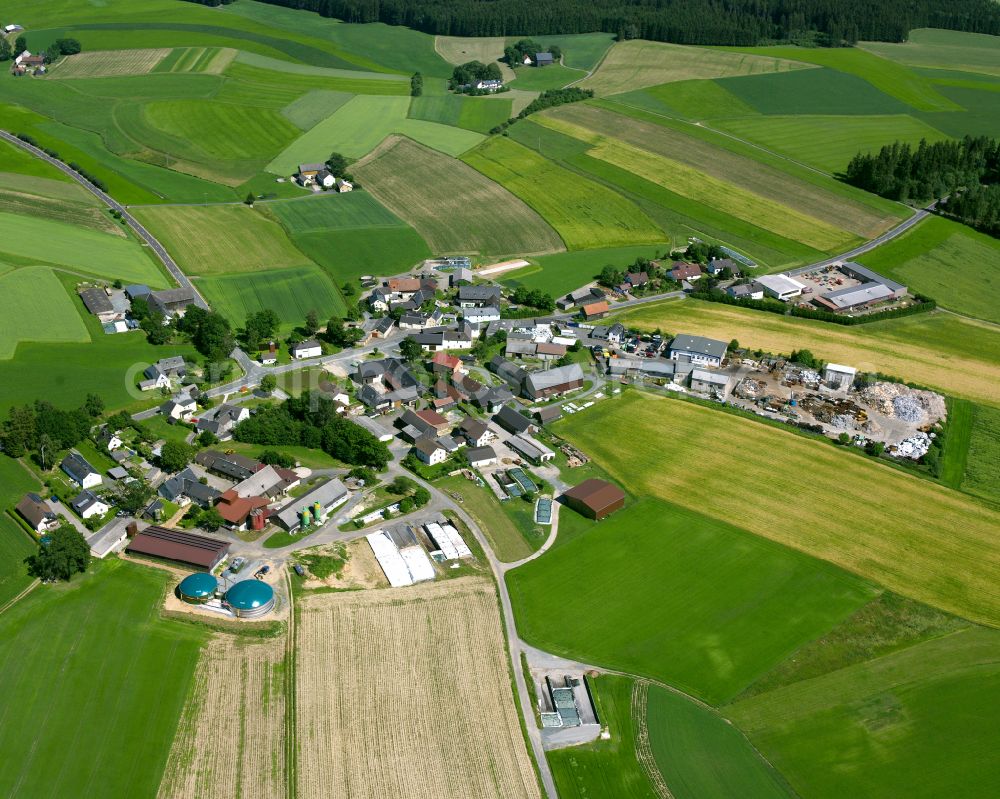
(406, 692)
(34, 306)
(462, 49)
(585, 213)
(919, 539)
(94, 685)
(231, 739)
(828, 205)
(15, 543)
(953, 355)
(942, 49)
(468, 212)
(919, 722)
(634, 64)
(207, 60)
(217, 239)
(110, 63)
(291, 293)
(982, 470)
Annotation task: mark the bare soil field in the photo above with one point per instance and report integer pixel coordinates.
(360, 571)
(231, 739)
(406, 693)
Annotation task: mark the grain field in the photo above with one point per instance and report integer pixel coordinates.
(406, 693)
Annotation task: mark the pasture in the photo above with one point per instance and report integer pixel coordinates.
(319, 212)
(43, 198)
(110, 63)
(208, 60)
(812, 195)
(467, 214)
(634, 64)
(700, 755)
(218, 239)
(982, 470)
(479, 114)
(462, 49)
(16, 162)
(104, 623)
(239, 685)
(942, 49)
(348, 254)
(829, 142)
(606, 769)
(948, 261)
(15, 543)
(358, 126)
(452, 731)
(43, 241)
(291, 293)
(921, 540)
(953, 355)
(674, 594)
(34, 306)
(564, 272)
(688, 99)
(585, 213)
(917, 722)
(313, 107)
(540, 79)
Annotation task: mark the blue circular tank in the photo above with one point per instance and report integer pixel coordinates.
(250, 598)
(198, 587)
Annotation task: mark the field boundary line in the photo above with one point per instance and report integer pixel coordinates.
(643, 751)
(291, 741)
(13, 600)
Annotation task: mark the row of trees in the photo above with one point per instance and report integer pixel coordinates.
(547, 99)
(535, 298)
(311, 420)
(733, 22)
(42, 429)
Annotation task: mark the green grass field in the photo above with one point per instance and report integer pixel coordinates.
(605, 769)
(479, 114)
(584, 213)
(540, 79)
(564, 272)
(950, 262)
(688, 99)
(982, 471)
(930, 543)
(918, 722)
(91, 662)
(955, 457)
(468, 213)
(15, 543)
(941, 49)
(320, 212)
(44, 241)
(34, 306)
(14, 160)
(211, 60)
(313, 107)
(219, 239)
(290, 293)
(701, 755)
(678, 596)
(508, 539)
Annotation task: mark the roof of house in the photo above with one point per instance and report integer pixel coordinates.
(479, 293)
(596, 494)
(682, 270)
(232, 465)
(637, 278)
(235, 508)
(529, 447)
(546, 57)
(473, 428)
(267, 481)
(97, 301)
(476, 454)
(404, 284)
(178, 545)
(84, 500)
(548, 413)
(859, 271)
(708, 347)
(705, 376)
(328, 493)
(516, 346)
(117, 473)
(77, 467)
(35, 509)
(309, 344)
(595, 308)
(432, 418)
(849, 297)
(558, 376)
(744, 289)
(548, 348)
(312, 167)
(427, 445)
(169, 298)
(383, 325)
(441, 358)
(510, 418)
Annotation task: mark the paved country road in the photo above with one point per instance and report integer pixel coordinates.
(114, 205)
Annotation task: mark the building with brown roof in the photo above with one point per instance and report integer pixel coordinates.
(236, 510)
(684, 271)
(595, 310)
(37, 512)
(180, 547)
(595, 499)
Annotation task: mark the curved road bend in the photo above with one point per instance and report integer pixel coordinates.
(114, 205)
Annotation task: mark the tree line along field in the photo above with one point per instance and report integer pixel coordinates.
(921, 540)
(91, 662)
(466, 213)
(953, 355)
(439, 720)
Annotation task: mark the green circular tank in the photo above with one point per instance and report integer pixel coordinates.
(197, 588)
(250, 598)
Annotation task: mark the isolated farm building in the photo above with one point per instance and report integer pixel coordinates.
(697, 350)
(197, 588)
(325, 178)
(479, 316)
(684, 271)
(320, 501)
(88, 504)
(551, 382)
(548, 413)
(476, 432)
(579, 297)
(595, 310)
(530, 448)
(746, 291)
(179, 546)
(232, 465)
(544, 59)
(594, 498)
(480, 456)
(250, 599)
(37, 513)
(709, 382)
(80, 471)
(781, 287)
(307, 349)
(488, 85)
(837, 376)
(461, 276)
(170, 302)
(99, 304)
(430, 451)
(187, 483)
(547, 351)
(511, 420)
(853, 297)
(307, 173)
(478, 296)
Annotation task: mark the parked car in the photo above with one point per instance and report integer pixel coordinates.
(299, 570)
(236, 565)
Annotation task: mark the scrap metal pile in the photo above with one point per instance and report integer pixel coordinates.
(904, 403)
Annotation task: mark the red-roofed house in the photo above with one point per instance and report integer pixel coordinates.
(235, 510)
(444, 364)
(685, 271)
(595, 310)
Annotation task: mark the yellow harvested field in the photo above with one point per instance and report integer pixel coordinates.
(910, 348)
(109, 63)
(406, 692)
(231, 739)
(636, 64)
(467, 212)
(462, 49)
(854, 216)
(915, 537)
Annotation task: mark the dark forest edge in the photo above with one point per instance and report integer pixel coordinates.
(709, 22)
